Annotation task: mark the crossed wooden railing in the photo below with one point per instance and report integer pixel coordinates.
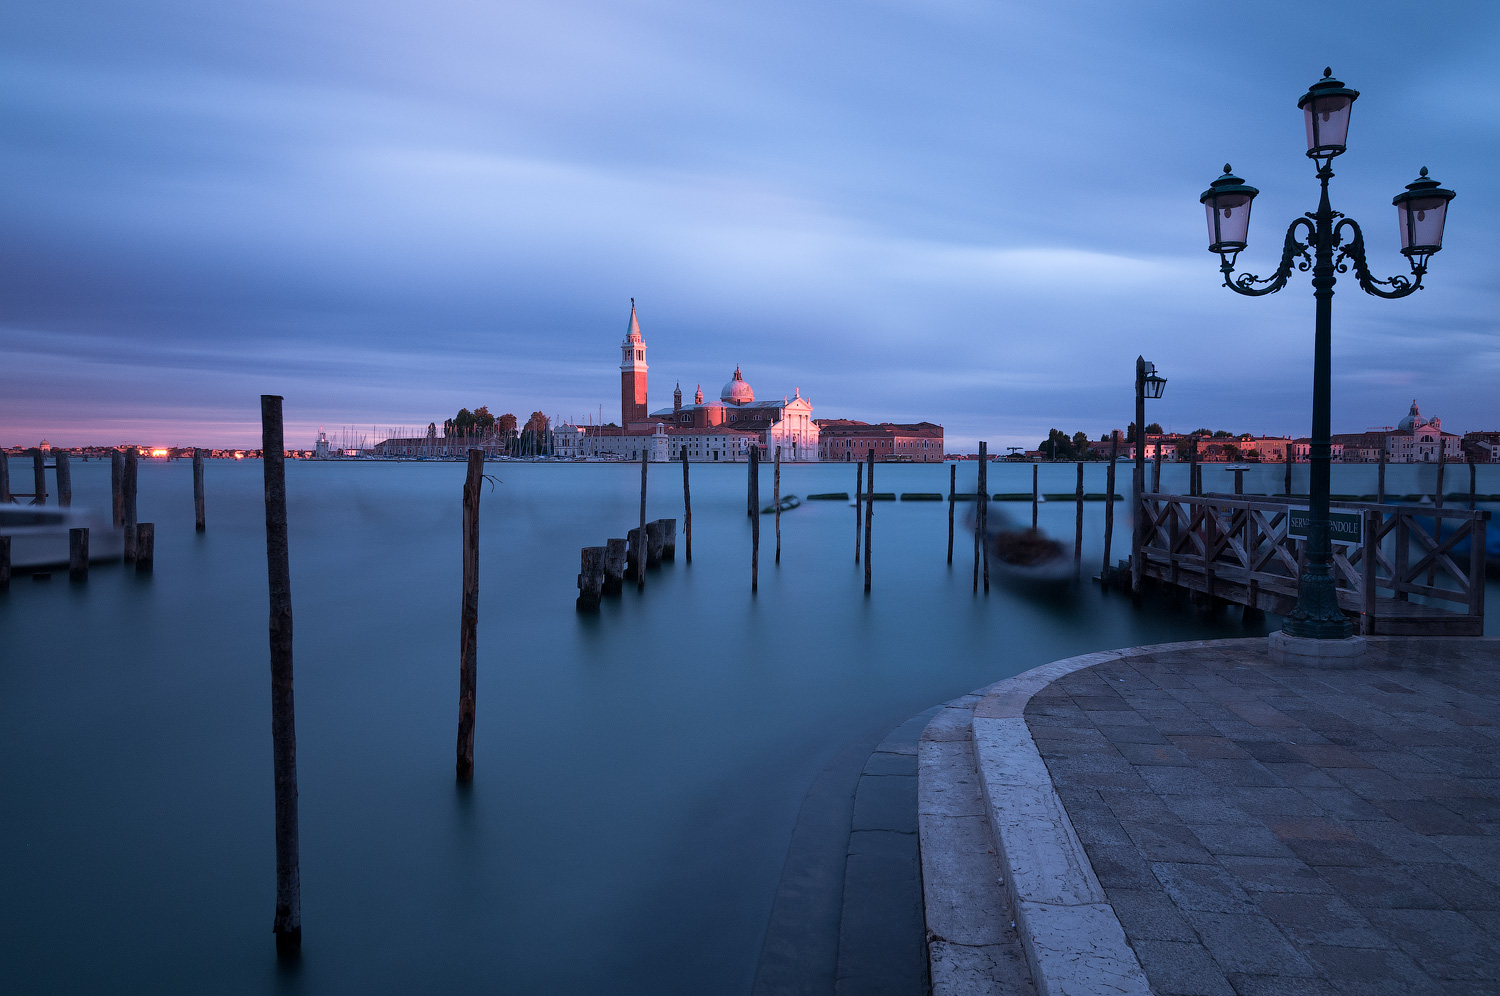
(1413, 570)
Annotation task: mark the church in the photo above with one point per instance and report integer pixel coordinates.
(717, 430)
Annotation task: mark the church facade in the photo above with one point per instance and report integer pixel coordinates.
(721, 429)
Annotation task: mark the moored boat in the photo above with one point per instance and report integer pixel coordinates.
(788, 502)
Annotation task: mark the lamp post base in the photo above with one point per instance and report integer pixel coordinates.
(1301, 651)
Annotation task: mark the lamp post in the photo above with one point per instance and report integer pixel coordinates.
(1147, 385)
(1330, 244)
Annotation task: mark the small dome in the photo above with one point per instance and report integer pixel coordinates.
(1413, 420)
(737, 392)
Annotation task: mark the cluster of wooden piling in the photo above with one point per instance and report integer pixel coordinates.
(602, 569)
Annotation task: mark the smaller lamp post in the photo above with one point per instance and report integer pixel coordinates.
(1148, 384)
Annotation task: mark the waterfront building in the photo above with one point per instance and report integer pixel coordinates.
(844, 440)
(717, 430)
(1485, 446)
(1414, 439)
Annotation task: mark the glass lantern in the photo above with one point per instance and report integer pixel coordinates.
(1325, 111)
(1227, 204)
(1421, 211)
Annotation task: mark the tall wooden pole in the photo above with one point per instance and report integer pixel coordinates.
(1437, 498)
(1078, 530)
(198, 514)
(869, 511)
(64, 479)
(859, 501)
(39, 477)
(1035, 491)
(754, 492)
(952, 497)
(468, 618)
(5, 498)
(1290, 445)
(1472, 495)
(127, 488)
(1379, 478)
(776, 497)
(687, 506)
(117, 486)
(640, 560)
(1156, 468)
(287, 924)
(984, 512)
(78, 553)
(1109, 505)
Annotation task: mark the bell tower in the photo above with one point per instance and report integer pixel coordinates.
(632, 373)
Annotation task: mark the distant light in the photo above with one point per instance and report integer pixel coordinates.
(159, 451)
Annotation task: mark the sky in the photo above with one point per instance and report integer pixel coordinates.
(973, 213)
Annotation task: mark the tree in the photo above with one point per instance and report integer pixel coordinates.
(507, 422)
(483, 420)
(1223, 434)
(1153, 428)
(1080, 444)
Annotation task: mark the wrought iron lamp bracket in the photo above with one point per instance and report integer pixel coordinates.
(1354, 254)
(1293, 249)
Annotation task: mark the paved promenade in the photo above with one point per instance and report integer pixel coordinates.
(1254, 829)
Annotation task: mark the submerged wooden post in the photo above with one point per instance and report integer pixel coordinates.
(117, 486)
(1472, 494)
(4, 562)
(869, 511)
(640, 559)
(654, 543)
(78, 553)
(983, 512)
(635, 549)
(127, 488)
(952, 497)
(198, 513)
(859, 500)
(145, 547)
(1109, 504)
(39, 477)
(1290, 445)
(614, 566)
(668, 539)
(287, 924)
(1035, 492)
(5, 498)
(468, 619)
(1379, 478)
(590, 579)
(64, 479)
(1078, 530)
(776, 500)
(754, 491)
(687, 507)
(1239, 480)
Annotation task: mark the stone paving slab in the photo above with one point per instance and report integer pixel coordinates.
(1258, 828)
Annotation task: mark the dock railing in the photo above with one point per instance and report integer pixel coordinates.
(1402, 570)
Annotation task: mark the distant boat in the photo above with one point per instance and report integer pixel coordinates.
(788, 502)
(39, 535)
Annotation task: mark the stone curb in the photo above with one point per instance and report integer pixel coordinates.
(1073, 942)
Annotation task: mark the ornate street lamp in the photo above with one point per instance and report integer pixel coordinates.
(1148, 384)
(1330, 244)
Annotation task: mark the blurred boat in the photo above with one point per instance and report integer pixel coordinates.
(39, 535)
(1027, 557)
(788, 502)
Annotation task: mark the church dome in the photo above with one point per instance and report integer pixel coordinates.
(1413, 420)
(737, 392)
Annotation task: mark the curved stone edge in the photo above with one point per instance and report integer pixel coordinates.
(1072, 940)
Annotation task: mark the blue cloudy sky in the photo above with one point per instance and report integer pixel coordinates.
(971, 212)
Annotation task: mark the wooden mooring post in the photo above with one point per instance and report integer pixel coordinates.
(654, 543)
(198, 513)
(64, 479)
(668, 539)
(127, 488)
(984, 513)
(952, 498)
(78, 553)
(1472, 494)
(869, 511)
(754, 491)
(5, 498)
(287, 923)
(614, 566)
(635, 551)
(117, 486)
(1036, 493)
(1195, 481)
(39, 477)
(776, 500)
(1109, 505)
(590, 578)
(468, 619)
(4, 562)
(145, 547)
(859, 500)
(1078, 528)
(640, 543)
(1156, 470)
(1286, 487)
(687, 507)
(1379, 478)
(1437, 496)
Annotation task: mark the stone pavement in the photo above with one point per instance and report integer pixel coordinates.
(1262, 829)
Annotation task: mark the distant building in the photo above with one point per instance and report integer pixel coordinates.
(844, 440)
(1413, 440)
(1484, 445)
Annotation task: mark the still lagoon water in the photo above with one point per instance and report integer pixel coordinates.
(638, 773)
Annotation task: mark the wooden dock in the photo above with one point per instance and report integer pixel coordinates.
(1398, 574)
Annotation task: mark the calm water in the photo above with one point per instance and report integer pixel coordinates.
(638, 773)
